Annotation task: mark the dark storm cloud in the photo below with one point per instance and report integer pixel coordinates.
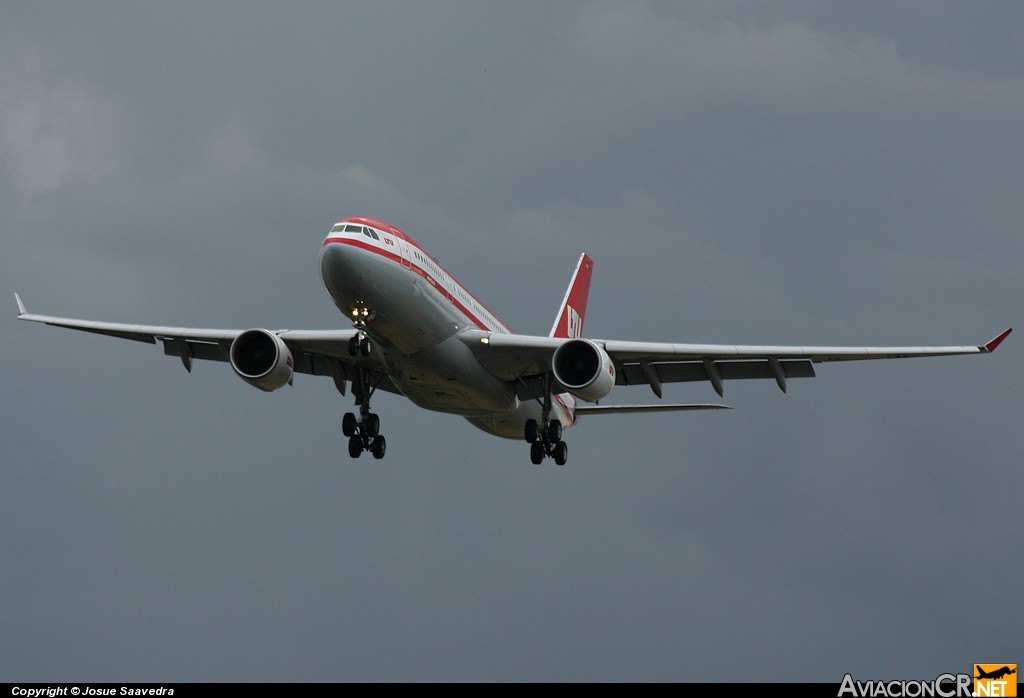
(783, 173)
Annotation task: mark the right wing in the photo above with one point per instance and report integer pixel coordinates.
(527, 360)
(316, 352)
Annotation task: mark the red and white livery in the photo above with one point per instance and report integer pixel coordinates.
(418, 332)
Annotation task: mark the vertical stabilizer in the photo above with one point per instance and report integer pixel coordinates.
(569, 321)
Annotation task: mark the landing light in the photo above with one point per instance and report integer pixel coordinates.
(485, 340)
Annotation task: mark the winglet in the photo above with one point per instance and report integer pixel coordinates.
(991, 345)
(21, 305)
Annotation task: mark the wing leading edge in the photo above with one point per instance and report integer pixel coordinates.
(523, 358)
(316, 352)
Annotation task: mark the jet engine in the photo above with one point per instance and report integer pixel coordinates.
(584, 369)
(261, 358)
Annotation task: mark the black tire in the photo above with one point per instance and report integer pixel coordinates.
(537, 452)
(355, 446)
(348, 424)
(364, 346)
(554, 431)
(530, 431)
(378, 447)
(353, 346)
(561, 453)
(372, 425)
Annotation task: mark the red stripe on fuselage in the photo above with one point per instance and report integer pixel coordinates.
(434, 282)
(386, 227)
(559, 402)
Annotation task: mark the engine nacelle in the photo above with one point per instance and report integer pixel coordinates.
(584, 369)
(261, 358)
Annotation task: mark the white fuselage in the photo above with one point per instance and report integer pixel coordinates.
(417, 309)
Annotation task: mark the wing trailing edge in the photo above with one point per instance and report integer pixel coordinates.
(619, 409)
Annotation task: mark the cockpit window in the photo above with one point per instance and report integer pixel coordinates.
(356, 229)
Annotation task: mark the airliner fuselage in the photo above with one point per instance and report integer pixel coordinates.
(412, 309)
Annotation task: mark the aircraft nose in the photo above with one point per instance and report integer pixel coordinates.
(341, 271)
(334, 264)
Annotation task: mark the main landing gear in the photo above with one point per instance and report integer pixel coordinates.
(363, 433)
(545, 439)
(546, 442)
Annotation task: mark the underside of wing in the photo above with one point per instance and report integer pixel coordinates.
(527, 360)
(654, 364)
(314, 352)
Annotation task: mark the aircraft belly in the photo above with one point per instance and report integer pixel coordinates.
(448, 378)
(509, 425)
(414, 327)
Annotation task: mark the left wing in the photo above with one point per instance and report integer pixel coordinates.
(315, 352)
(525, 359)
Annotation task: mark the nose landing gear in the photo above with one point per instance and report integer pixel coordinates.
(361, 317)
(359, 344)
(363, 432)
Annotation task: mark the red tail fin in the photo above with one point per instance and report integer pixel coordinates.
(569, 322)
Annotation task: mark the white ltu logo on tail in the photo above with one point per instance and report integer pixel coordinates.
(573, 323)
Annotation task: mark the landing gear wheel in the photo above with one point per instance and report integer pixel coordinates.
(364, 346)
(363, 431)
(353, 346)
(378, 447)
(531, 431)
(561, 453)
(355, 446)
(371, 426)
(537, 452)
(545, 435)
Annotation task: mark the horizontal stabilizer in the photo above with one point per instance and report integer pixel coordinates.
(617, 409)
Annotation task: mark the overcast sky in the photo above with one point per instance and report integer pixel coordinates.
(761, 173)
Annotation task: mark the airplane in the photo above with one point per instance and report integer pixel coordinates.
(997, 674)
(416, 331)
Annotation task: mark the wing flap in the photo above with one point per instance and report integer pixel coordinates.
(686, 371)
(620, 409)
(195, 350)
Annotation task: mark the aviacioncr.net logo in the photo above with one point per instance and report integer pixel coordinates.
(943, 686)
